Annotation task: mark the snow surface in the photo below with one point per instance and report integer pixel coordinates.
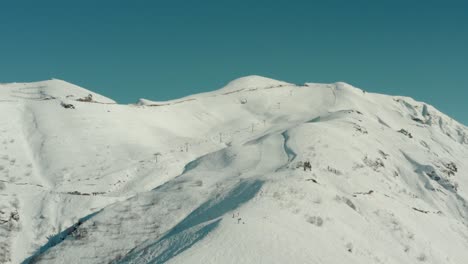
(218, 177)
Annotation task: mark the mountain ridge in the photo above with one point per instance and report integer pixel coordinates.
(220, 177)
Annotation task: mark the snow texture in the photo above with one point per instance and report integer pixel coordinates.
(259, 171)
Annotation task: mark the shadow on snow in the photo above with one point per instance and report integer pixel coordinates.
(195, 226)
(57, 239)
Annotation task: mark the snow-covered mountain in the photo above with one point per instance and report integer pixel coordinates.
(224, 177)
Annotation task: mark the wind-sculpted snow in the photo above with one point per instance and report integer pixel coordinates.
(195, 226)
(260, 171)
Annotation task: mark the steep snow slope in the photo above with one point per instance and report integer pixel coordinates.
(219, 177)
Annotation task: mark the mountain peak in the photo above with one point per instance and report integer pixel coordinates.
(48, 89)
(251, 82)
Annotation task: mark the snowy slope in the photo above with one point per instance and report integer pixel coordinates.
(218, 177)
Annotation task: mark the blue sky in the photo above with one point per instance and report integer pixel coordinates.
(167, 49)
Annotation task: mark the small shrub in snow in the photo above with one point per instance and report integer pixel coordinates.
(383, 154)
(374, 164)
(349, 247)
(299, 164)
(350, 204)
(363, 193)
(67, 106)
(15, 216)
(360, 129)
(420, 210)
(79, 233)
(347, 201)
(305, 165)
(416, 119)
(312, 180)
(450, 168)
(315, 220)
(433, 175)
(405, 132)
(88, 98)
(333, 170)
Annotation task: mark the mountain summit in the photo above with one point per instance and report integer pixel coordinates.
(259, 171)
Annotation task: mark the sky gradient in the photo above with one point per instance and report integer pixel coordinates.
(162, 50)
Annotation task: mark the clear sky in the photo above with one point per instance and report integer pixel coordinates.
(167, 49)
